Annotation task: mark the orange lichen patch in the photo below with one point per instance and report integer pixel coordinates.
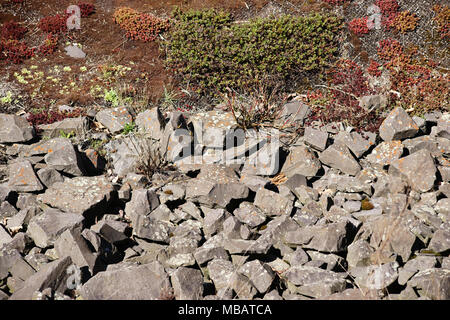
(278, 179)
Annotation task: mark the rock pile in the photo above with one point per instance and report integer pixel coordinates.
(335, 215)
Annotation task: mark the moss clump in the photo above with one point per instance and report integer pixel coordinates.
(210, 52)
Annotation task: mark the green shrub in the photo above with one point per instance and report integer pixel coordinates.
(210, 52)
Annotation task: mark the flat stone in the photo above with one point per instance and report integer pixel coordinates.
(75, 52)
(432, 283)
(354, 141)
(250, 214)
(260, 275)
(265, 161)
(338, 156)
(151, 121)
(15, 129)
(413, 266)
(48, 176)
(53, 275)
(301, 160)
(211, 249)
(418, 169)
(440, 241)
(60, 154)
(22, 177)
(294, 112)
(73, 126)
(112, 231)
(149, 282)
(386, 152)
(359, 254)
(398, 125)
(316, 138)
(375, 277)
(333, 237)
(212, 128)
(220, 271)
(143, 202)
(114, 119)
(7, 210)
(45, 228)
(187, 284)
(152, 229)
(272, 203)
(80, 195)
(71, 243)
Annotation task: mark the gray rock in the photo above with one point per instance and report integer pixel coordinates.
(413, 266)
(353, 294)
(213, 127)
(294, 112)
(272, 203)
(432, 283)
(114, 119)
(213, 221)
(152, 229)
(373, 102)
(352, 206)
(187, 284)
(71, 243)
(443, 207)
(241, 246)
(354, 141)
(398, 125)
(386, 152)
(172, 192)
(21, 219)
(417, 169)
(112, 231)
(272, 295)
(22, 177)
(332, 261)
(93, 238)
(301, 160)
(152, 122)
(180, 260)
(443, 127)
(49, 176)
(249, 214)
(7, 210)
(82, 195)
(211, 249)
(260, 275)
(338, 156)
(61, 155)
(422, 142)
(142, 203)
(333, 237)
(265, 161)
(14, 129)
(242, 286)
(375, 277)
(314, 282)
(73, 126)
(215, 185)
(53, 275)
(316, 138)
(440, 241)
(359, 254)
(298, 257)
(220, 272)
(5, 192)
(4, 236)
(149, 282)
(8, 256)
(45, 228)
(253, 182)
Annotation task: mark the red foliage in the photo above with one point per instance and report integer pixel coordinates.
(53, 24)
(51, 116)
(359, 26)
(86, 9)
(50, 45)
(339, 103)
(374, 68)
(13, 30)
(389, 49)
(140, 26)
(15, 51)
(389, 11)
